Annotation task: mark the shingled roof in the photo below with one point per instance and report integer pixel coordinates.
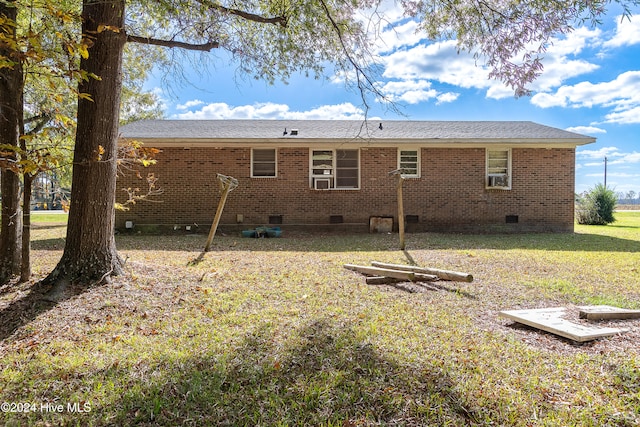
(398, 131)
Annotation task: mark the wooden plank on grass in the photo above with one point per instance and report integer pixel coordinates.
(607, 312)
(551, 320)
(454, 276)
(381, 280)
(377, 271)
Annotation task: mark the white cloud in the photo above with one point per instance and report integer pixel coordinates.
(442, 62)
(575, 42)
(592, 164)
(499, 91)
(624, 175)
(629, 116)
(388, 24)
(417, 96)
(599, 154)
(409, 91)
(586, 130)
(560, 62)
(438, 61)
(626, 158)
(447, 97)
(396, 87)
(407, 55)
(189, 104)
(344, 111)
(548, 100)
(271, 110)
(395, 36)
(621, 94)
(627, 32)
(558, 70)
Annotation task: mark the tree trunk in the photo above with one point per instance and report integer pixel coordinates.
(10, 237)
(25, 264)
(90, 254)
(10, 123)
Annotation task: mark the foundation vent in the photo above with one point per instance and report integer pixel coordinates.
(336, 219)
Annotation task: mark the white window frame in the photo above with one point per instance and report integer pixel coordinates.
(418, 166)
(330, 173)
(275, 163)
(498, 176)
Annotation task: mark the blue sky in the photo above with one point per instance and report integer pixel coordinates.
(590, 85)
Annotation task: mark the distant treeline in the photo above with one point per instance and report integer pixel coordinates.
(628, 198)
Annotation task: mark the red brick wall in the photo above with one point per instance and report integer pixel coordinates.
(449, 196)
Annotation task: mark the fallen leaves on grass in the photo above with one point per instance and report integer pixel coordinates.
(267, 332)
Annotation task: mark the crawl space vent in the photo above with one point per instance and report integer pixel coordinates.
(336, 219)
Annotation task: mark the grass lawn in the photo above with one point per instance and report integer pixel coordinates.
(275, 332)
(49, 217)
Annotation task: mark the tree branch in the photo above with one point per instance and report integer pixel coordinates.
(363, 80)
(205, 47)
(37, 117)
(41, 121)
(276, 20)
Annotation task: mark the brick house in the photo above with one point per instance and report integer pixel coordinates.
(459, 176)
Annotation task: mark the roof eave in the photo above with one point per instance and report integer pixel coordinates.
(362, 142)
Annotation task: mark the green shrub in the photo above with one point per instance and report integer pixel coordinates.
(596, 206)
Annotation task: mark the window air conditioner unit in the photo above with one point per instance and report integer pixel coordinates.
(322, 183)
(498, 181)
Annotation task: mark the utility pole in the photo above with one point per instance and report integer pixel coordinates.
(605, 172)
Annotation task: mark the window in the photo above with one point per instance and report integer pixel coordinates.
(263, 162)
(335, 169)
(499, 168)
(347, 169)
(409, 161)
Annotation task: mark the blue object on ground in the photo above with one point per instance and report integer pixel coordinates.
(262, 232)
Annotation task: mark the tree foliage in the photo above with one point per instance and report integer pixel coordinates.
(266, 40)
(511, 36)
(137, 103)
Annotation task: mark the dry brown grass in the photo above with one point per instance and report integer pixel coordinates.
(276, 332)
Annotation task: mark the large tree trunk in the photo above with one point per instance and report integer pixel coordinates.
(10, 234)
(10, 120)
(25, 263)
(90, 254)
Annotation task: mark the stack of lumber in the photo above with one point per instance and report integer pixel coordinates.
(381, 273)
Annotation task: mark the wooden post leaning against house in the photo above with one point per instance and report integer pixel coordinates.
(227, 184)
(398, 173)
